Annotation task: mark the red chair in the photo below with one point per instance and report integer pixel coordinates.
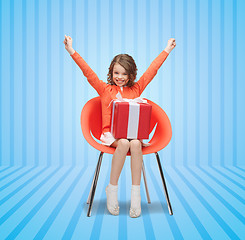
(91, 123)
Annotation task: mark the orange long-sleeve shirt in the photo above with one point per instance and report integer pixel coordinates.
(108, 92)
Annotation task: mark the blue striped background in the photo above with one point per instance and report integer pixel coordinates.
(200, 86)
(46, 166)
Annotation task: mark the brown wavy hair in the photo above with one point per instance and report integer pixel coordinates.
(128, 63)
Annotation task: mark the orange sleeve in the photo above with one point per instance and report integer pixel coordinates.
(151, 71)
(91, 76)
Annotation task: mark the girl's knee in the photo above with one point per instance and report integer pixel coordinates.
(135, 145)
(123, 143)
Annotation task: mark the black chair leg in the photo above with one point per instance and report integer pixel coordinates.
(94, 184)
(164, 184)
(89, 196)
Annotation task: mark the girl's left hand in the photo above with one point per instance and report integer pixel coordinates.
(171, 45)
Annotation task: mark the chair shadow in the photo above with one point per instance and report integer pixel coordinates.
(154, 208)
(146, 208)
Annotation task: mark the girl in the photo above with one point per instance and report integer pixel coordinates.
(121, 78)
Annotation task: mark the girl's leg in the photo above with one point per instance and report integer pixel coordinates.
(136, 165)
(118, 159)
(136, 161)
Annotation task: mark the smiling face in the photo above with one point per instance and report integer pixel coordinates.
(122, 71)
(120, 76)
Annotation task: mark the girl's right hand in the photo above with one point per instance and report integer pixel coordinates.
(68, 44)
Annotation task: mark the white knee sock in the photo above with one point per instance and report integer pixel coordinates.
(112, 202)
(135, 209)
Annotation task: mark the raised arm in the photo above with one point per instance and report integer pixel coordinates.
(91, 76)
(151, 72)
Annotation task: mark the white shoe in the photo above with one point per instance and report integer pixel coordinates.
(134, 212)
(135, 209)
(112, 203)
